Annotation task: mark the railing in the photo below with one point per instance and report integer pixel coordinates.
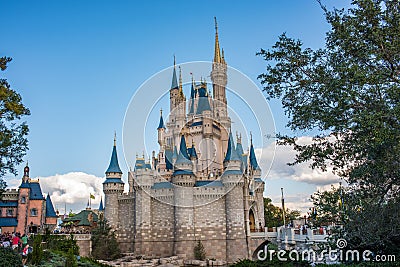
(292, 235)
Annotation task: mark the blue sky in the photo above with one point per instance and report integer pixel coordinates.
(78, 63)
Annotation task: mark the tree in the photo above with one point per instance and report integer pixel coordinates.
(37, 252)
(346, 95)
(13, 132)
(199, 251)
(104, 242)
(273, 214)
(329, 207)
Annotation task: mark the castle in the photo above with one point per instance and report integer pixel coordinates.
(201, 186)
(26, 210)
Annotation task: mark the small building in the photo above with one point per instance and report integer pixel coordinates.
(25, 210)
(82, 223)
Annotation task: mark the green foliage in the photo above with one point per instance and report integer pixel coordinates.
(273, 215)
(329, 206)
(9, 257)
(13, 132)
(346, 95)
(59, 259)
(275, 262)
(70, 259)
(104, 242)
(37, 253)
(199, 251)
(61, 243)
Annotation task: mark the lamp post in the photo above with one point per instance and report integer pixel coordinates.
(283, 208)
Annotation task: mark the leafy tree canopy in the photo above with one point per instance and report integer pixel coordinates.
(348, 93)
(13, 132)
(273, 215)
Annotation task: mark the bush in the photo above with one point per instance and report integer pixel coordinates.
(104, 242)
(70, 259)
(37, 253)
(199, 251)
(8, 257)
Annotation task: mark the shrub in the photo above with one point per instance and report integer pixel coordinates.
(8, 257)
(199, 251)
(37, 253)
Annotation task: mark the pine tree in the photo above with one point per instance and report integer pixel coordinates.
(199, 251)
(104, 242)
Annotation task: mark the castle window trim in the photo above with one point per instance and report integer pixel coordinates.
(10, 212)
(34, 212)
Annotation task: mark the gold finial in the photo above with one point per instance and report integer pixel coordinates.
(115, 138)
(217, 53)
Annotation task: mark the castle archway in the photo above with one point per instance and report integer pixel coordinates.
(252, 221)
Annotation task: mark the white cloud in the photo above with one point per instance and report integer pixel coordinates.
(71, 189)
(299, 201)
(281, 155)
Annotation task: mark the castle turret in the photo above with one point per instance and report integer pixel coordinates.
(24, 200)
(161, 130)
(173, 92)
(183, 168)
(219, 80)
(232, 179)
(113, 187)
(192, 98)
(184, 180)
(254, 167)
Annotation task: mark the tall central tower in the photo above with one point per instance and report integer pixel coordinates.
(219, 79)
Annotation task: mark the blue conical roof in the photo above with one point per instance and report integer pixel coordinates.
(161, 124)
(231, 153)
(203, 102)
(49, 207)
(114, 166)
(101, 207)
(192, 152)
(239, 149)
(191, 103)
(174, 84)
(253, 159)
(183, 156)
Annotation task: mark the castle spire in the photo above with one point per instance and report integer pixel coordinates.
(49, 207)
(231, 153)
(101, 207)
(161, 124)
(252, 156)
(114, 166)
(174, 84)
(183, 156)
(217, 53)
